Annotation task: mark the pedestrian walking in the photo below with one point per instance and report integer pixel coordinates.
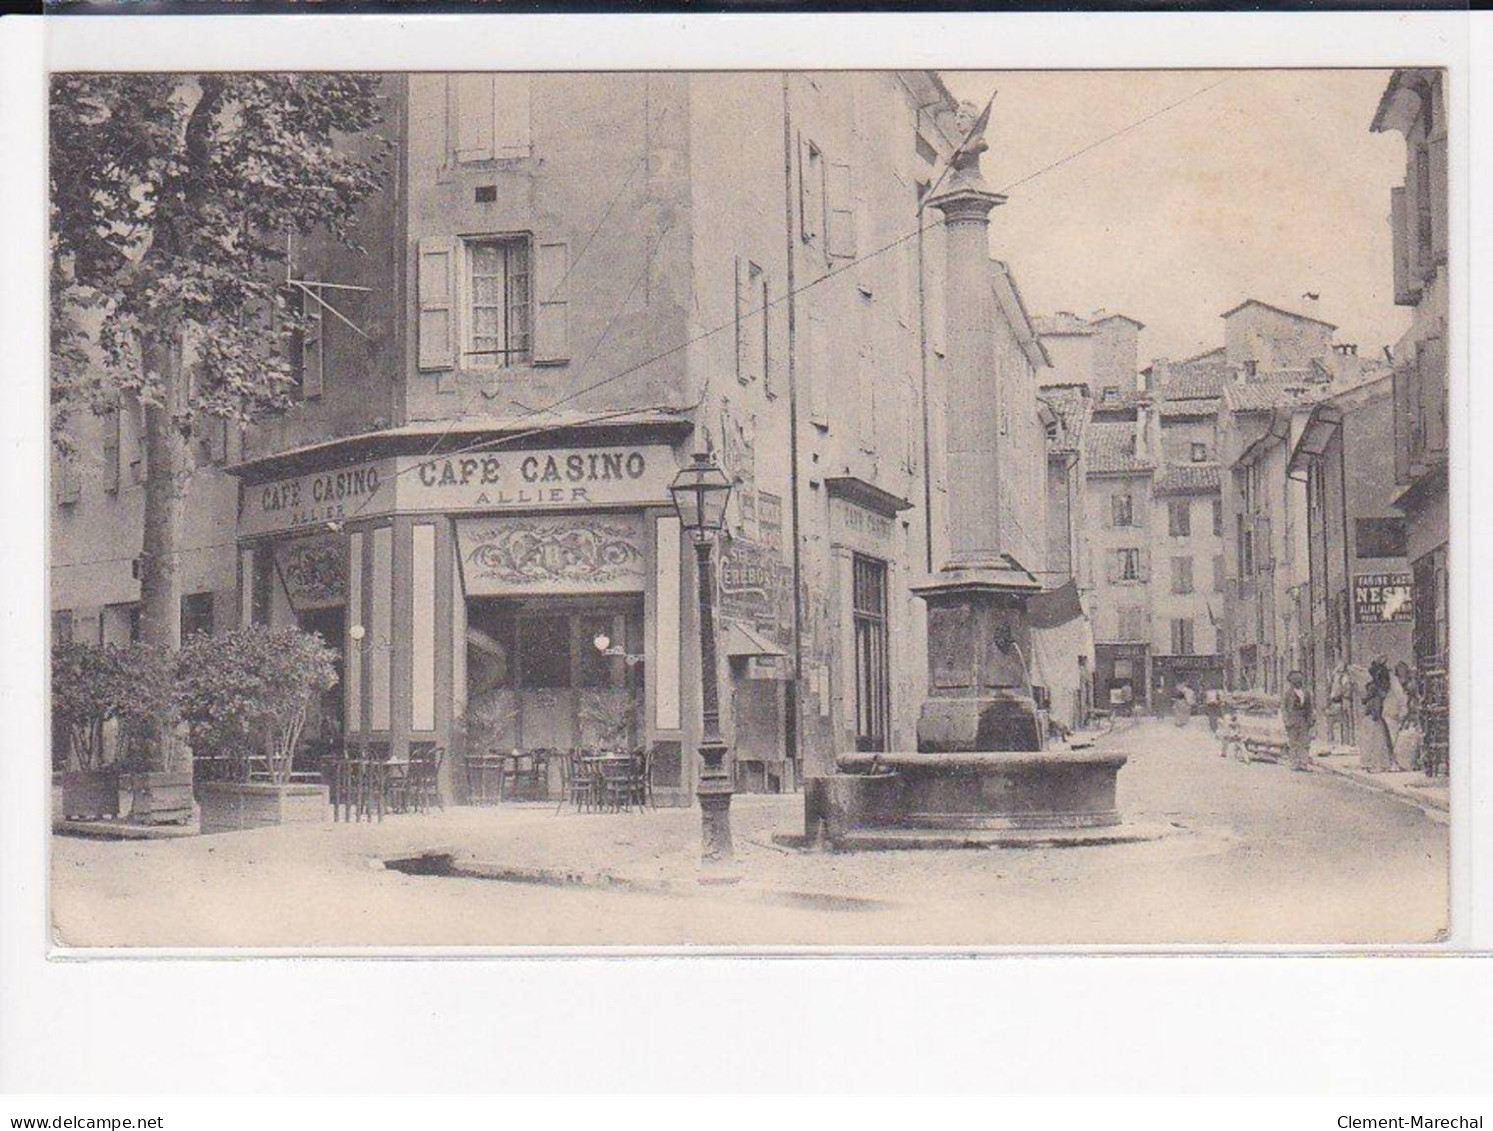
(1233, 738)
(1407, 744)
(1296, 713)
(1340, 704)
(1213, 708)
(1376, 746)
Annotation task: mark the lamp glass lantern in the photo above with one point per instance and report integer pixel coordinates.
(700, 492)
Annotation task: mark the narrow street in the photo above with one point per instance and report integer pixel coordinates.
(1255, 854)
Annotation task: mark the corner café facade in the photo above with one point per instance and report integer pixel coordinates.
(480, 580)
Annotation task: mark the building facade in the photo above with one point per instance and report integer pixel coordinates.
(1414, 104)
(570, 284)
(1359, 587)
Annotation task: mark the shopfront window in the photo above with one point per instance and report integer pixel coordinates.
(872, 683)
(544, 655)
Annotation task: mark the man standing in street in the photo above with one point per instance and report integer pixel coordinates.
(1296, 713)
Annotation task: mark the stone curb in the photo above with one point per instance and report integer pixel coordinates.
(1436, 808)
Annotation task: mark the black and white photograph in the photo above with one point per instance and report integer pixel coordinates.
(846, 508)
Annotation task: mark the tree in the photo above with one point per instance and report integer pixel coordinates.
(172, 200)
(246, 693)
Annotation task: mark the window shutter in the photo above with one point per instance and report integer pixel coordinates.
(437, 277)
(818, 370)
(1145, 563)
(810, 190)
(841, 212)
(473, 117)
(742, 305)
(1112, 566)
(68, 481)
(510, 115)
(111, 448)
(138, 469)
(1440, 205)
(1108, 513)
(1399, 235)
(312, 356)
(1140, 512)
(552, 315)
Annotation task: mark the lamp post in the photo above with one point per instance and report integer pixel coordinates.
(700, 492)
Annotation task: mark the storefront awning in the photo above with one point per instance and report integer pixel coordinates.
(742, 640)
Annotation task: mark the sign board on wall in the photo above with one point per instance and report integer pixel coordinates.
(306, 501)
(514, 554)
(548, 479)
(1382, 598)
(553, 478)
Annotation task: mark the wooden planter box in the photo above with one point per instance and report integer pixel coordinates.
(233, 806)
(159, 798)
(90, 794)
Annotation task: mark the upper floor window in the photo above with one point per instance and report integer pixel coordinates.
(811, 192)
(1251, 367)
(488, 116)
(1127, 564)
(1182, 642)
(1111, 393)
(1181, 575)
(1123, 510)
(1379, 537)
(497, 302)
(1179, 518)
(1424, 205)
(1199, 453)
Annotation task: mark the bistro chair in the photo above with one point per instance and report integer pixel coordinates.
(579, 785)
(424, 776)
(397, 784)
(641, 779)
(615, 781)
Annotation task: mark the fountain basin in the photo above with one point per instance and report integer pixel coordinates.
(1001, 790)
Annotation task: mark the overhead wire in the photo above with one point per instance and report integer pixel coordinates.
(490, 443)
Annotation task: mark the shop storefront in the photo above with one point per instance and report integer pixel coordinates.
(1169, 674)
(508, 599)
(1120, 677)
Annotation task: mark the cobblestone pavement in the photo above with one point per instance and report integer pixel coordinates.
(1254, 854)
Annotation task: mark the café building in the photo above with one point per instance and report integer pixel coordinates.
(493, 589)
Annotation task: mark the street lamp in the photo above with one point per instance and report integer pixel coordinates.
(700, 493)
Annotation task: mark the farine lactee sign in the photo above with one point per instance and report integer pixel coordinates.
(565, 478)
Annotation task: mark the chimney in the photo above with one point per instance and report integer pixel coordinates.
(1161, 372)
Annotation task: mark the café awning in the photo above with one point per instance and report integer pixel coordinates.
(742, 640)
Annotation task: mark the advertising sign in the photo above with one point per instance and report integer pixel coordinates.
(583, 478)
(1382, 598)
(361, 491)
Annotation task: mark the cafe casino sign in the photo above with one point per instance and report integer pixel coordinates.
(548, 479)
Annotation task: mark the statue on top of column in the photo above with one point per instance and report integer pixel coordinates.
(971, 122)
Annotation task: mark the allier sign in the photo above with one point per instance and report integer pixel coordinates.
(551, 479)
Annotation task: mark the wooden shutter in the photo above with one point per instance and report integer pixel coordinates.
(810, 190)
(437, 286)
(1440, 204)
(1145, 563)
(841, 188)
(510, 114)
(68, 480)
(819, 376)
(742, 305)
(552, 309)
(472, 117)
(138, 468)
(1112, 566)
(1405, 290)
(313, 364)
(111, 447)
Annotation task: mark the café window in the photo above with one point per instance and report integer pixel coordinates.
(496, 331)
(1379, 537)
(1179, 517)
(872, 678)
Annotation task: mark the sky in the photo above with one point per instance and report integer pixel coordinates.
(1268, 186)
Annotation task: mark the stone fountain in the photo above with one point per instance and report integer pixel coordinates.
(983, 771)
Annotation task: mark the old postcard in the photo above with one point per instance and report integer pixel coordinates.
(774, 508)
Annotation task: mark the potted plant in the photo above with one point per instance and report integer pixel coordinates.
(245, 695)
(606, 718)
(152, 750)
(88, 691)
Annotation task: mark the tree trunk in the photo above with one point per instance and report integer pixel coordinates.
(165, 479)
